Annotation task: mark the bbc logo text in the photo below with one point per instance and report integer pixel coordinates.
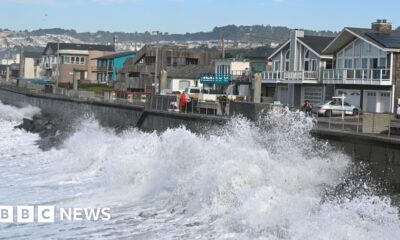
(51, 214)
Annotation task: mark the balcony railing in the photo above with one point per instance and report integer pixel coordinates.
(357, 76)
(215, 78)
(102, 68)
(290, 76)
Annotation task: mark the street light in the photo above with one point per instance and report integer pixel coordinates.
(342, 99)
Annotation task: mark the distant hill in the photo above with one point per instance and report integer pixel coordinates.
(255, 33)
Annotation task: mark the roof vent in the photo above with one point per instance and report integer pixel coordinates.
(382, 26)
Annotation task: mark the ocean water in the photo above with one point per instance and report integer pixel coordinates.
(266, 180)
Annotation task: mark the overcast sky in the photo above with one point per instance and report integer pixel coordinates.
(180, 16)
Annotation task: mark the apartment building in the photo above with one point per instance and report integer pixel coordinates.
(68, 61)
(108, 66)
(142, 73)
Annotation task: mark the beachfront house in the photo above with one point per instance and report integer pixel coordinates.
(366, 66)
(296, 73)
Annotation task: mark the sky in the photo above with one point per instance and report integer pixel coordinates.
(181, 16)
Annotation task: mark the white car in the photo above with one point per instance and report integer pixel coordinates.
(335, 107)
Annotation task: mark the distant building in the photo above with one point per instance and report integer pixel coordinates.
(67, 61)
(13, 71)
(139, 73)
(108, 66)
(30, 65)
(10, 61)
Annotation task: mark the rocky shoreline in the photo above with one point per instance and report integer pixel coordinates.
(51, 130)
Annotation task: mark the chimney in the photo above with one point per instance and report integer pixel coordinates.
(115, 42)
(293, 59)
(382, 26)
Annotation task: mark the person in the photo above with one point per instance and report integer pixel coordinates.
(223, 100)
(307, 108)
(183, 102)
(398, 112)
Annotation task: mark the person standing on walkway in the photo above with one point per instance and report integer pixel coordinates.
(398, 112)
(307, 108)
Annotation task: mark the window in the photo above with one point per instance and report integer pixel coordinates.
(82, 60)
(77, 60)
(348, 63)
(307, 61)
(67, 60)
(287, 61)
(277, 66)
(133, 74)
(192, 61)
(314, 65)
(382, 62)
(72, 60)
(184, 84)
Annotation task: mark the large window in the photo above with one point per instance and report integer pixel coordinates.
(287, 61)
(361, 55)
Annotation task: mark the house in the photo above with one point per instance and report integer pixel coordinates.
(9, 72)
(230, 75)
(296, 73)
(142, 73)
(108, 66)
(179, 79)
(68, 61)
(30, 65)
(366, 66)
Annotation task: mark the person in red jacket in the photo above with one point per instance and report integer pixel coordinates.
(183, 101)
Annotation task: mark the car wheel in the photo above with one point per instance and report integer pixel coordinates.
(328, 113)
(355, 112)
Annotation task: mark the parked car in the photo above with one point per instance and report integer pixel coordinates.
(334, 107)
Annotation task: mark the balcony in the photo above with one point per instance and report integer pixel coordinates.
(290, 77)
(215, 78)
(102, 69)
(239, 77)
(357, 76)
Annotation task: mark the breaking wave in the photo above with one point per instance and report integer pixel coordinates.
(264, 180)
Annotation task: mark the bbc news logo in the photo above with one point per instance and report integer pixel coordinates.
(47, 214)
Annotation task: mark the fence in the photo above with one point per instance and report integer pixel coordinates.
(367, 123)
(192, 106)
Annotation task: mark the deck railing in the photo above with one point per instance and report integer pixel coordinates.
(379, 76)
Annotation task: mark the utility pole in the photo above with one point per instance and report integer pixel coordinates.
(21, 62)
(8, 66)
(58, 65)
(156, 84)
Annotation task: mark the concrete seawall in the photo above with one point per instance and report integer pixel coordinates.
(108, 113)
(381, 153)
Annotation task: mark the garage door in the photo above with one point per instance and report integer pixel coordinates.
(352, 95)
(313, 94)
(377, 101)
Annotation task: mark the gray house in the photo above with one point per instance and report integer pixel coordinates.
(366, 66)
(296, 73)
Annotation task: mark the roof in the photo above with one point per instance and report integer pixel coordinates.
(32, 54)
(116, 55)
(189, 71)
(78, 46)
(317, 43)
(389, 40)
